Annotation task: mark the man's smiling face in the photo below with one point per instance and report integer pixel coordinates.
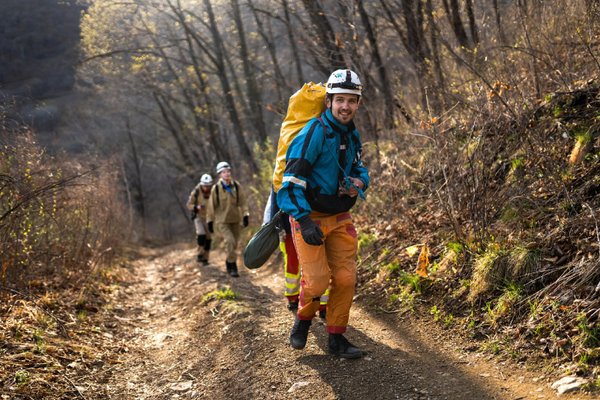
(343, 107)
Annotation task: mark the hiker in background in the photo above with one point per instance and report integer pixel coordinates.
(197, 205)
(323, 176)
(227, 209)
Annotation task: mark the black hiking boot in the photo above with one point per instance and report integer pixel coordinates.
(199, 258)
(323, 314)
(232, 269)
(204, 259)
(299, 333)
(293, 306)
(341, 347)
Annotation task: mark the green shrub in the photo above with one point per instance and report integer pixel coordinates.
(589, 333)
(524, 262)
(220, 294)
(489, 271)
(365, 240)
(262, 181)
(393, 266)
(57, 218)
(456, 247)
(22, 377)
(413, 281)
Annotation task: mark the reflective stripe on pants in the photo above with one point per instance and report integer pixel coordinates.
(290, 267)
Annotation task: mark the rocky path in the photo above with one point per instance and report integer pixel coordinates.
(175, 341)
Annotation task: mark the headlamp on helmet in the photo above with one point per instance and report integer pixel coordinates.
(344, 81)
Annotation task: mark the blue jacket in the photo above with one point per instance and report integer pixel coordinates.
(312, 175)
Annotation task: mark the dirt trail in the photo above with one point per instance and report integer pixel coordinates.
(172, 346)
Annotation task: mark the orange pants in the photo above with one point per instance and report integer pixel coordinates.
(291, 270)
(332, 264)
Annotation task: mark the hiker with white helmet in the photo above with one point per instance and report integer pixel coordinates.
(197, 203)
(323, 176)
(227, 212)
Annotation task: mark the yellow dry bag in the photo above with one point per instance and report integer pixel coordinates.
(304, 105)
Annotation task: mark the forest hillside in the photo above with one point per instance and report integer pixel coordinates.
(480, 128)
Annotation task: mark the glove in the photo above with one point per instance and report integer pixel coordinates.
(311, 233)
(245, 221)
(211, 228)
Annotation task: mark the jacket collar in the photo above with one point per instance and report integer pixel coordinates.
(336, 125)
(224, 184)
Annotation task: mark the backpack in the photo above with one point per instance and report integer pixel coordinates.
(304, 105)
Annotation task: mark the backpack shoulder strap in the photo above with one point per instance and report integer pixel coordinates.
(325, 128)
(215, 188)
(237, 193)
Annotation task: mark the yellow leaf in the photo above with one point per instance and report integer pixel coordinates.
(423, 262)
(412, 250)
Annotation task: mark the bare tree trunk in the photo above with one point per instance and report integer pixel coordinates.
(534, 67)
(280, 81)
(214, 143)
(139, 195)
(325, 36)
(219, 58)
(348, 35)
(252, 92)
(453, 12)
(414, 41)
(472, 24)
(439, 79)
(129, 198)
(220, 150)
(174, 124)
(386, 85)
(501, 34)
(186, 134)
(293, 45)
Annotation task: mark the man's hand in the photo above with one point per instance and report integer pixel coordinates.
(352, 192)
(245, 221)
(311, 232)
(211, 228)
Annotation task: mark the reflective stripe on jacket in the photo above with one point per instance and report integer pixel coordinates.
(312, 175)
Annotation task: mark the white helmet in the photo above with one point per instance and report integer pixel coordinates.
(344, 81)
(222, 165)
(206, 180)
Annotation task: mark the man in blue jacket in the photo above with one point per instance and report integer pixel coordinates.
(323, 176)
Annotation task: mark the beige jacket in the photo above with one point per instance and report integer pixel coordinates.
(201, 202)
(226, 207)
